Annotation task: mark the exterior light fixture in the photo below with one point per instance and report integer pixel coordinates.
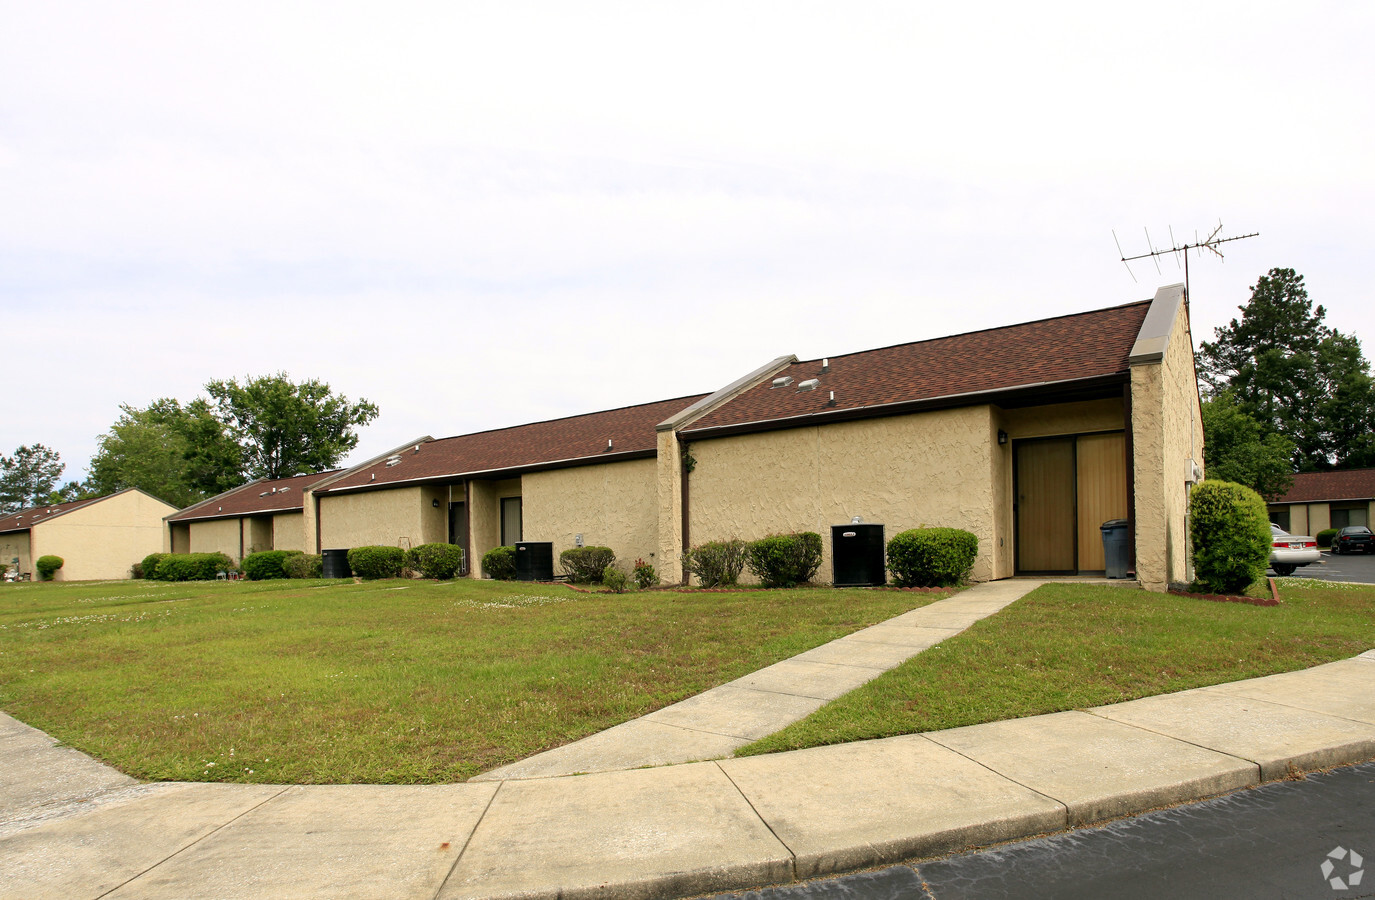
(1002, 436)
(435, 503)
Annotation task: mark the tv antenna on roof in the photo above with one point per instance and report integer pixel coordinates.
(1209, 243)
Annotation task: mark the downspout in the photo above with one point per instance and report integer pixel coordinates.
(467, 527)
(688, 463)
(1131, 476)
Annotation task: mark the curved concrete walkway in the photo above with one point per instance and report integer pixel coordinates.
(71, 828)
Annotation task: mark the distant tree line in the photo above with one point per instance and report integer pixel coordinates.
(265, 427)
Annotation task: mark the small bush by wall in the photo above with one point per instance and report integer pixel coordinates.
(932, 557)
(436, 560)
(267, 564)
(377, 561)
(615, 579)
(47, 565)
(644, 575)
(785, 560)
(1230, 530)
(585, 565)
(193, 566)
(716, 563)
(1324, 537)
(148, 566)
(304, 565)
(500, 563)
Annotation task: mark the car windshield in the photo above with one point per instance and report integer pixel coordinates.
(1355, 529)
(1276, 530)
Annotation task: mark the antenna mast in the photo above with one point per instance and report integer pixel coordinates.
(1209, 243)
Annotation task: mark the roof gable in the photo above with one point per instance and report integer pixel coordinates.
(1049, 351)
(24, 519)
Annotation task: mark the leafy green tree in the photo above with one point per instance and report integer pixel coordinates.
(286, 428)
(1295, 375)
(71, 491)
(1238, 450)
(178, 454)
(28, 477)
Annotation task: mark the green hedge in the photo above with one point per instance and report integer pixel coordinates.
(148, 566)
(586, 565)
(1230, 530)
(716, 563)
(436, 560)
(785, 560)
(500, 563)
(192, 566)
(267, 564)
(47, 565)
(1324, 537)
(377, 561)
(932, 557)
(615, 579)
(304, 565)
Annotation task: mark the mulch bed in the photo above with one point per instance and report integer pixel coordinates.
(1272, 600)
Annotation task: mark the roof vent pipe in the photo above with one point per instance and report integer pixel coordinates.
(825, 365)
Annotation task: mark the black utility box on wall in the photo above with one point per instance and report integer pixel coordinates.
(534, 561)
(335, 564)
(857, 555)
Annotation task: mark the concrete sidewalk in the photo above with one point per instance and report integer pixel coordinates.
(72, 829)
(712, 724)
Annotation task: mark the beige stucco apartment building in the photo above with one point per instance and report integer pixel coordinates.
(261, 515)
(1030, 436)
(97, 539)
(1317, 501)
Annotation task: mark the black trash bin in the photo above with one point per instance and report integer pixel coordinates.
(336, 564)
(535, 561)
(1115, 548)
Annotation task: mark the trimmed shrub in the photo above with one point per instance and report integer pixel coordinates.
(932, 557)
(716, 563)
(377, 561)
(304, 565)
(267, 564)
(585, 565)
(47, 565)
(644, 575)
(148, 567)
(436, 560)
(615, 579)
(1230, 530)
(500, 563)
(785, 560)
(192, 566)
(1324, 537)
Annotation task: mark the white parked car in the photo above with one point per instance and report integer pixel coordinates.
(1289, 551)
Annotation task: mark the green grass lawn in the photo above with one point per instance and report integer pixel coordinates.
(383, 682)
(1068, 646)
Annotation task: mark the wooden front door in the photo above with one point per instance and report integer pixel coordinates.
(1045, 506)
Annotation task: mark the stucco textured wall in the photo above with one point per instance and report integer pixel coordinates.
(289, 531)
(103, 540)
(371, 518)
(928, 468)
(484, 517)
(1167, 430)
(612, 505)
(669, 504)
(216, 536)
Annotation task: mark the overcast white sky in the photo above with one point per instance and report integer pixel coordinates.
(483, 214)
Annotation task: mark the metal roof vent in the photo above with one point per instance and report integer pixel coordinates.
(417, 449)
(782, 381)
(393, 460)
(264, 493)
(809, 385)
(283, 490)
(825, 366)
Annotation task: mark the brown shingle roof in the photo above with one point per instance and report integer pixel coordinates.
(1066, 348)
(25, 519)
(539, 444)
(1317, 487)
(255, 498)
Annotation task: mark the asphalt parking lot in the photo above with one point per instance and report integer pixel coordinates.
(1351, 567)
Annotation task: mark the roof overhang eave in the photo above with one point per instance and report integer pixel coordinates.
(503, 472)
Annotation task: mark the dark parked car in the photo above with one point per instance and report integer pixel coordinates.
(1353, 539)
